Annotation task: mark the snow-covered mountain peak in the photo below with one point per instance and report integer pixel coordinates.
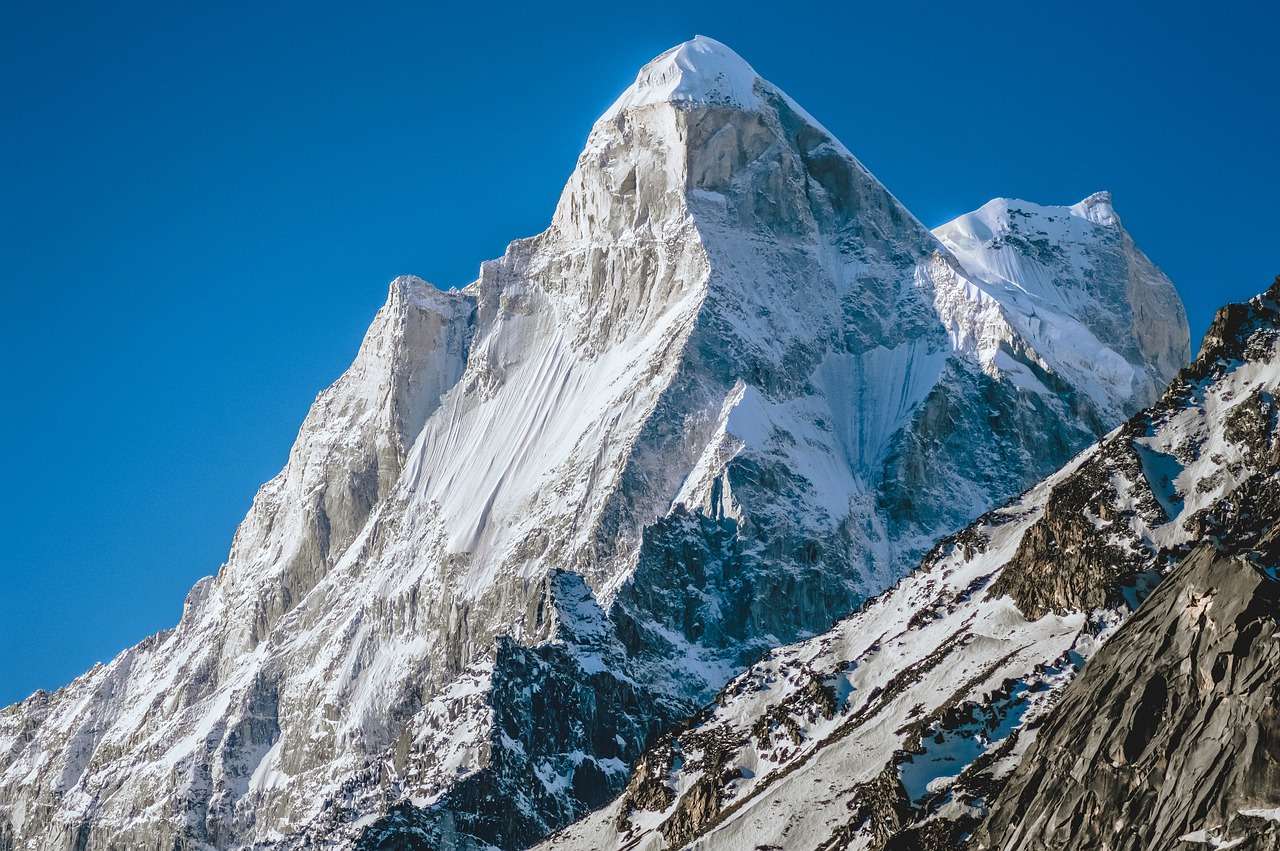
(1001, 216)
(701, 71)
(1071, 282)
(734, 371)
(422, 294)
(1098, 209)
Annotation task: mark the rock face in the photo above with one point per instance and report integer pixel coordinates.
(901, 726)
(731, 392)
(1172, 732)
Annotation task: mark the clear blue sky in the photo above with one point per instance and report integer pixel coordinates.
(202, 209)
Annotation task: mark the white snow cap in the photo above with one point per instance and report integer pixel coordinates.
(1097, 209)
(701, 70)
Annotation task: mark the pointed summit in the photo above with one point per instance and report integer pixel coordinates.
(1098, 209)
(699, 71)
(1094, 307)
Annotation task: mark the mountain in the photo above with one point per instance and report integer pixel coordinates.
(950, 712)
(1072, 283)
(732, 391)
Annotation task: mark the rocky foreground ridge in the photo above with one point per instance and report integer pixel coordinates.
(1171, 736)
(732, 391)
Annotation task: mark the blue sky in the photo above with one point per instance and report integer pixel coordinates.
(202, 209)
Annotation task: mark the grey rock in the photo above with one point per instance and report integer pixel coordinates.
(902, 726)
(1171, 736)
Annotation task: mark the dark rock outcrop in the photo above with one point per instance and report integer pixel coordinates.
(1171, 733)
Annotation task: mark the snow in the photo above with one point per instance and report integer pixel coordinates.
(1097, 208)
(791, 795)
(836, 437)
(1209, 837)
(1161, 470)
(1213, 465)
(701, 71)
(557, 412)
(787, 793)
(1045, 267)
(940, 764)
(268, 775)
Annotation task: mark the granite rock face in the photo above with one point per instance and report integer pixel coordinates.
(1171, 734)
(732, 391)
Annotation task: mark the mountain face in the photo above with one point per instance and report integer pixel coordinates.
(1072, 284)
(947, 713)
(732, 391)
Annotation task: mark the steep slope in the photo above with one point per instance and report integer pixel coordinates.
(176, 725)
(541, 519)
(1171, 734)
(900, 726)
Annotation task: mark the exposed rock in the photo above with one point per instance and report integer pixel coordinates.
(1171, 736)
(1063, 563)
(965, 673)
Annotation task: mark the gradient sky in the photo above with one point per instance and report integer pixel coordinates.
(202, 209)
